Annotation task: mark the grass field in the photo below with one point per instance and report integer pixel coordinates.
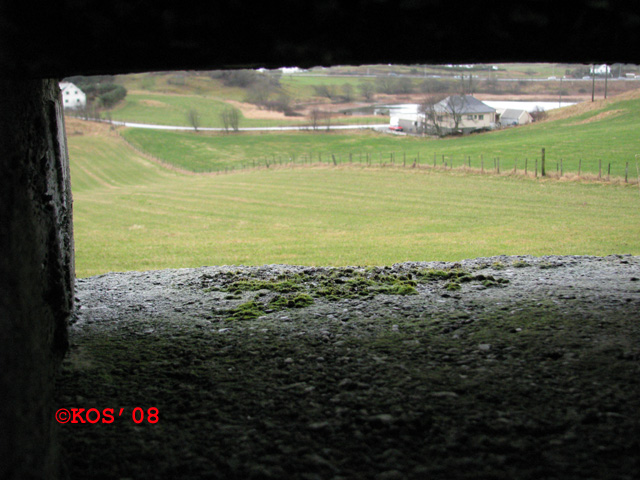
(590, 139)
(161, 109)
(164, 109)
(133, 214)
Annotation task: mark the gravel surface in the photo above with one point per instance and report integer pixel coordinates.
(502, 368)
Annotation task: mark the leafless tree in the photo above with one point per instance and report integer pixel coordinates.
(329, 91)
(314, 117)
(367, 89)
(193, 117)
(539, 114)
(443, 115)
(455, 106)
(230, 118)
(467, 85)
(258, 93)
(347, 92)
(386, 84)
(433, 117)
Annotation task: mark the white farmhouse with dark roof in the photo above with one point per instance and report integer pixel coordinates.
(455, 113)
(72, 97)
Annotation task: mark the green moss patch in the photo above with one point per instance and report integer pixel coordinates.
(299, 290)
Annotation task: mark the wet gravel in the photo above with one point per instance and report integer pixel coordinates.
(503, 367)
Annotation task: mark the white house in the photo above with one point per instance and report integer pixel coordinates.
(600, 69)
(456, 113)
(72, 97)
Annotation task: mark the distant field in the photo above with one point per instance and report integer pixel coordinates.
(301, 86)
(162, 109)
(132, 214)
(588, 141)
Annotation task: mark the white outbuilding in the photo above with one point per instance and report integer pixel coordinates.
(72, 97)
(512, 116)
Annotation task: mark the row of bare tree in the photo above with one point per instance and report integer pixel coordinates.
(229, 116)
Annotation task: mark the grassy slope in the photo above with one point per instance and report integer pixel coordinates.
(131, 214)
(213, 152)
(600, 133)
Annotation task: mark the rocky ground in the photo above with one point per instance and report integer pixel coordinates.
(501, 368)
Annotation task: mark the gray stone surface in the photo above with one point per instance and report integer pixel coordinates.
(503, 367)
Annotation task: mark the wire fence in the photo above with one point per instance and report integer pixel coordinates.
(536, 166)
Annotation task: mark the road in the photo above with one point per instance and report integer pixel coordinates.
(248, 129)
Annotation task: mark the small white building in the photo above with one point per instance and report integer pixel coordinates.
(512, 116)
(601, 69)
(72, 97)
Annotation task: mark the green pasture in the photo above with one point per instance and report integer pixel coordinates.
(163, 109)
(589, 143)
(132, 214)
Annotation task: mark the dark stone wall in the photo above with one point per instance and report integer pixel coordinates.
(36, 272)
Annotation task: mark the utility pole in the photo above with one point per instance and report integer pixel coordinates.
(560, 94)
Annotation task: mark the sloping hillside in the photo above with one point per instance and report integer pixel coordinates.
(598, 139)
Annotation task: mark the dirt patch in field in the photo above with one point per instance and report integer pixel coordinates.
(251, 111)
(76, 126)
(152, 103)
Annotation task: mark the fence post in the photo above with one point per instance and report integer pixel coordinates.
(498, 164)
(599, 168)
(561, 168)
(608, 171)
(626, 173)
(579, 167)
(543, 171)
